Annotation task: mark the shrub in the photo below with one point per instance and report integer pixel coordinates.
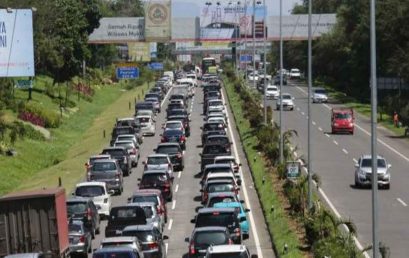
(40, 116)
(32, 118)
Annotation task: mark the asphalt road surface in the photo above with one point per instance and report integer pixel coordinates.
(333, 158)
(186, 197)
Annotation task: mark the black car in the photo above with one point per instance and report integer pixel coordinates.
(122, 155)
(174, 135)
(122, 216)
(212, 95)
(177, 112)
(210, 151)
(84, 209)
(157, 179)
(185, 121)
(174, 152)
(220, 217)
(211, 126)
(158, 90)
(150, 237)
(204, 237)
(218, 139)
(172, 106)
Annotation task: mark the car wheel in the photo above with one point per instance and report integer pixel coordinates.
(357, 185)
(97, 231)
(388, 186)
(89, 249)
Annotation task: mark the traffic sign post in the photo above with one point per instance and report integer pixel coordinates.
(127, 72)
(24, 84)
(293, 169)
(156, 66)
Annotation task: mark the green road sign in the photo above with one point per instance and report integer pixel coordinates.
(24, 84)
(293, 169)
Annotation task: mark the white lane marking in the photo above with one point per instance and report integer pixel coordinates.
(298, 109)
(355, 160)
(345, 151)
(179, 174)
(246, 198)
(173, 204)
(166, 96)
(402, 202)
(369, 134)
(335, 142)
(319, 128)
(327, 135)
(314, 123)
(170, 224)
(176, 188)
(166, 248)
(302, 113)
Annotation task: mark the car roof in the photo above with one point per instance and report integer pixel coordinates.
(227, 248)
(211, 210)
(91, 183)
(147, 192)
(369, 156)
(104, 160)
(161, 155)
(147, 172)
(125, 119)
(119, 239)
(218, 136)
(221, 165)
(213, 175)
(169, 144)
(141, 204)
(78, 199)
(222, 194)
(114, 249)
(224, 157)
(209, 228)
(107, 156)
(227, 205)
(145, 227)
(114, 148)
(220, 181)
(143, 116)
(125, 135)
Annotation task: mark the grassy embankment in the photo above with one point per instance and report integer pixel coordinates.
(40, 163)
(277, 221)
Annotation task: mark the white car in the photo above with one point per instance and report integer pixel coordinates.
(147, 125)
(215, 105)
(214, 251)
(319, 95)
(288, 102)
(253, 76)
(272, 92)
(217, 119)
(99, 194)
(174, 124)
(295, 73)
(363, 172)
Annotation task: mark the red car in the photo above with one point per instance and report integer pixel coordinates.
(342, 120)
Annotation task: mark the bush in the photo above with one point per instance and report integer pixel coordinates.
(40, 116)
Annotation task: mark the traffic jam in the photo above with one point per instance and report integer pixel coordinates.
(137, 228)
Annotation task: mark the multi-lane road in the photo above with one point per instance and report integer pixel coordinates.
(186, 197)
(333, 158)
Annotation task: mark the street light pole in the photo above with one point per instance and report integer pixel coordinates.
(254, 43)
(309, 165)
(375, 243)
(265, 59)
(281, 85)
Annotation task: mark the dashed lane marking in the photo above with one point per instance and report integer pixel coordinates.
(173, 204)
(345, 151)
(402, 202)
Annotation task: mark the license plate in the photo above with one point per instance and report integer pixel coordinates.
(118, 232)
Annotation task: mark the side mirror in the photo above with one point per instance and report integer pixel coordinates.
(242, 219)
(72, 194)
(192, 220)
(201, 127)
(389, 165)
(111, 192)
(139, 179)
(239, 164)
(129, 199)
(201, 190)
(254, 256)
(241, 201)
(165, 237)
(239, 181)
(200, 154)
(247, 210)
(143, 162)
(160, 134)
(186, 239)
(154, 150)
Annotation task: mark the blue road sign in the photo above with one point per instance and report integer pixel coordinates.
(156, 66)
(127, 72)
(246, 58)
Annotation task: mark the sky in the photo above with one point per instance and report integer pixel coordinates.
(189, 8)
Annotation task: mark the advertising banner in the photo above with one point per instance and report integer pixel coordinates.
(157, 21)
(118, 30)
(139, 51)
(16, 43)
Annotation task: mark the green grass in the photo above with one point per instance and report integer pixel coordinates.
(277, 221)
(41, 163)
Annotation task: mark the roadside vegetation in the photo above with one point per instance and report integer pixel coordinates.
(341, 58)
(295, 230)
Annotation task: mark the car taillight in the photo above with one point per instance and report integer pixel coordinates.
(133, 151)
(117, 175)
(159, 210)
(182, 138)
(230, 242)
(179, 155)
(237, 231)
(153, 245)
(192, 249)
(82, 239)
(163, 139)
(89, 214)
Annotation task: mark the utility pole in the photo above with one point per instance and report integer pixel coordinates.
(309, 165)
(374, 87)
(254, 43)
(281, 85)
(265, 59)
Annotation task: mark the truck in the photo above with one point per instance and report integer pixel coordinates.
(34, 222)
(342, 120)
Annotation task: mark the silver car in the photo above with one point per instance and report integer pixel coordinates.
(147, 125)
(159, 162)
(132, 148)
(80, 238)
(363, 172)
(319, 96)
(288, 102)
(152, 216)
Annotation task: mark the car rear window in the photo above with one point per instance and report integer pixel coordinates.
(223, 187)
(125, 212)
(125, 130)
(167, 149)
(148, 211)
(153, 178)
(76, 207)
(157, 160)
(172, 132)
(74, 228)
(224, 219)
(210, 238)
(229, 255)
(217, 199)
(219, 140)
(215, 103)
(143, 198)
(143, 119)
(212, 126)
(103, 166)
(113, 153)
(143, 236)
(89, 191)
(114, 254)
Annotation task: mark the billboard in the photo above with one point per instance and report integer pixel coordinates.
(118, 30)
(142, 51)
(157, 21)
(16, 43)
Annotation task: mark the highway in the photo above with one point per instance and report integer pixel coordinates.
(186, 198)
(333, 158)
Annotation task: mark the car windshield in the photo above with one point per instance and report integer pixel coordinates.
(124, 138)
(320, 92)
(368, 163)
(343, 116)
(144, 198)
(76, 207)
(204, 239)
(286, 96)
(124, 212)
(157, 160)
(229, 255)
(215, 219)
(144, 236)
(114, 152)
(217, 199)
(272, 88)
(173, 125)
(167, 149)
(89, 191)
(215, 103)
(103, 166)
(143, 119)
(74, 228)
(127, 145)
